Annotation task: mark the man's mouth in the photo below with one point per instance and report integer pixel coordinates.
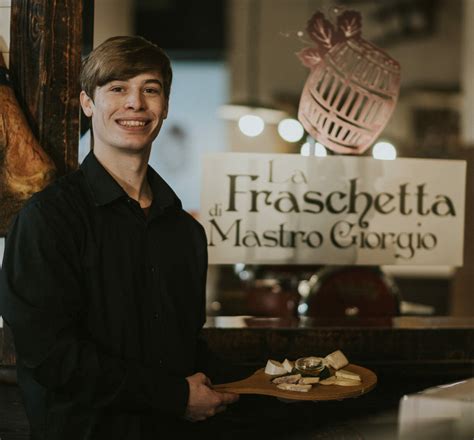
(132, 122)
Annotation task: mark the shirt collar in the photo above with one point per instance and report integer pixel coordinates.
(163, 196)
(103, 186)
(105, 189)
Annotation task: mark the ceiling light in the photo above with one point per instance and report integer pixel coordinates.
(320, 150)
(251, 125)
(290, 130)
(384, 151)
(305, 149)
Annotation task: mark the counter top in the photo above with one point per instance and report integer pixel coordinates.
(399, 322)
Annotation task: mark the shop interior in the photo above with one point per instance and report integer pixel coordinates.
(235, 58)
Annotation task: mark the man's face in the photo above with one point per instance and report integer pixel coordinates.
(127, 114)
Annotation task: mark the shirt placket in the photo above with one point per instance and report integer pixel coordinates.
(151, 287)
(154, 294)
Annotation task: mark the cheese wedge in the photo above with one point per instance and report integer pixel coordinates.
(294, 387)
(337, 360)
(288, 365)
(346, 382)
(329, 381)
(274, 368)
(294, 378)
(308, 380)
(345, 374)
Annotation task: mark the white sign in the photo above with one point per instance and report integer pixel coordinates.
(290, 209)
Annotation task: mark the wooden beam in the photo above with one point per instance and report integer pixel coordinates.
(45, 59)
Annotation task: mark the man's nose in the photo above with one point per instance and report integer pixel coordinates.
(134, 100)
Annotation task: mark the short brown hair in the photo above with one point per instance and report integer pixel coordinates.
(122, 58)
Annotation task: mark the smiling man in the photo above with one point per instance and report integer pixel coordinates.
(103, 278)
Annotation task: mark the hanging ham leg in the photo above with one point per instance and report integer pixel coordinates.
(26, 168)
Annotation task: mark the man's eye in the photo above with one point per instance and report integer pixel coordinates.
(152, 91)
(116, 89)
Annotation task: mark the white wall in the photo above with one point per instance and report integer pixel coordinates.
(468, 74)
(112, 18)
(198, 89)
(5, 11)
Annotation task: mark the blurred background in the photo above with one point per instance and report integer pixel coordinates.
(236, 58)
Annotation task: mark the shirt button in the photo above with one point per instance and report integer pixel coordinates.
(155, 316)
(152, 269)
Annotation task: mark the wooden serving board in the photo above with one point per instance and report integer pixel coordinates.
(260, 383)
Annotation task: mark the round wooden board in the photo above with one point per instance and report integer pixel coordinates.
(260, 383)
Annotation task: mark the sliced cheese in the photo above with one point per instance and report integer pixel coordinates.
(274, 368)
(288, 365)
(329, 381)
(308, 380)
(346, 382)
(337, 360)
(294, 387)
(294, 378)
(345, 374)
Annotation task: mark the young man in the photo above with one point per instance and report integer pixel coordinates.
(103, 278)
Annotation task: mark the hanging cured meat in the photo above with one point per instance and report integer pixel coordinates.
(24, 166)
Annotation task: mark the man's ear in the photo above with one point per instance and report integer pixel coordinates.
(165, 112)
(87, 104)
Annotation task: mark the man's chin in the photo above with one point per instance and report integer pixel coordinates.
(133, 149)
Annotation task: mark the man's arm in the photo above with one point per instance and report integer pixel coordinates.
(42, 299)
(206, 360)
(203, 401)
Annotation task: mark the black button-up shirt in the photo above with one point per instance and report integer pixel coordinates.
(105, 305)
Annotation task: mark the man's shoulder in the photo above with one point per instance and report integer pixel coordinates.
(195, 227)
(192, 221)
(56, 211)
(67, 194)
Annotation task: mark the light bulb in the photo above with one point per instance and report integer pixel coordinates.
(320, 150)
(290, 130)
(384, 151)
(305, 149)
(251, 125)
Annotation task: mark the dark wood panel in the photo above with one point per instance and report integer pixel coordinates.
(444, 346)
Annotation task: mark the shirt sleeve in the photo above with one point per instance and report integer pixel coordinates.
(42, 300)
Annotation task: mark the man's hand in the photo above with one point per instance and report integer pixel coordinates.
(204, 402)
